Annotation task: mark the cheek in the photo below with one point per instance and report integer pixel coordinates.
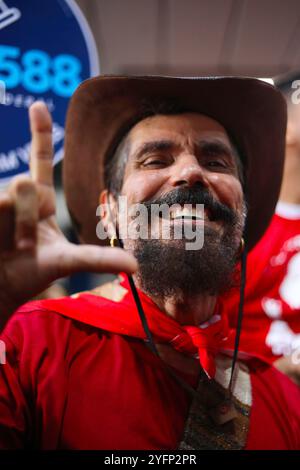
(228, 190)
(139, 187)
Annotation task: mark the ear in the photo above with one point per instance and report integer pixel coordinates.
(108, 211)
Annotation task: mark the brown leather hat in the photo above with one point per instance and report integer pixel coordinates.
(104, 108)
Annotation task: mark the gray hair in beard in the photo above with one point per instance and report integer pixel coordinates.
(167, 269)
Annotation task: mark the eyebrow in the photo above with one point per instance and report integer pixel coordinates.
(202, 146)
(214, 146)
(154, 146)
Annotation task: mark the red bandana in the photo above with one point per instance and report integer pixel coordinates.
(202, 341)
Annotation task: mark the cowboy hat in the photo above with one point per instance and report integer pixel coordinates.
(104, 108)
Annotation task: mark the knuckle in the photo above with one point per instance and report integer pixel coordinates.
(26, 188)
(19, 182)
(43, 154)
(26, 232)
(22, 189)
(6, 202)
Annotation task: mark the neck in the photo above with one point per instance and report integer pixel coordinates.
(290, 188)
(187, 310)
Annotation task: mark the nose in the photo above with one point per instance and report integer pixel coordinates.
(188, 172)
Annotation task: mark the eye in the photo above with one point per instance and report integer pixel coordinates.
(154, 162)
(216, 164)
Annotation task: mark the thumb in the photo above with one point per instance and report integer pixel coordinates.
(96, 259)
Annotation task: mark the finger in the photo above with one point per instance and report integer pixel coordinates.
(25, 198)
(6, 222)
(89, 258)
(41, 155)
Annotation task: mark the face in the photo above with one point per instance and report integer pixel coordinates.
(185, 156)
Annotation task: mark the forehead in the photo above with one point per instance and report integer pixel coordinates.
(185, 125)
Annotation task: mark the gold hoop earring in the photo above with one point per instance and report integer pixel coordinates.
(113, 241)
(242, 247)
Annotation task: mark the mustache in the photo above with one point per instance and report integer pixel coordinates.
(217, 210)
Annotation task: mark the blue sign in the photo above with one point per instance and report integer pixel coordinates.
(46, 50)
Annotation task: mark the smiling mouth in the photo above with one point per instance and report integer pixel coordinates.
(188, 214)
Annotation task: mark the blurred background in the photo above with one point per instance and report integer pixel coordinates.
(195, 37)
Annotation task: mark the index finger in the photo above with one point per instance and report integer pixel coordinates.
(41, 154)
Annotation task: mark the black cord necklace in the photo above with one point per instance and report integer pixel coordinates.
(227, 403)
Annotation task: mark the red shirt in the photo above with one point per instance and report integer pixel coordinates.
(271, 323)
(74, 386)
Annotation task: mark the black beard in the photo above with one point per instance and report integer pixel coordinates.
(167, 269)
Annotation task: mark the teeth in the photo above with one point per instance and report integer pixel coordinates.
(179, 213)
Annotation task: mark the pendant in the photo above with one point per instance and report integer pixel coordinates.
(223, 413)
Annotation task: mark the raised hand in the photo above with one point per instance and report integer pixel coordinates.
(33, 250)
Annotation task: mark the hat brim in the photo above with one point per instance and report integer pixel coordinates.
(103, 108)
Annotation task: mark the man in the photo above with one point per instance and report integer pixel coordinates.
(88, 372)
(271, 324)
